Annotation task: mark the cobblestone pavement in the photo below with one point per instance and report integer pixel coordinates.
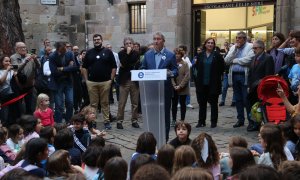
(127, 137)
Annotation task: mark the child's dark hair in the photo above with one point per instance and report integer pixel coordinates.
(165, 157)
(47, 133)
(90, 156)
(238, 141)
(213, 156)
(3, 135)
(58, 164)
(33, 148)
(146, 143)
(64, 139)
(98, 141)
(289, 170)
(78, 118)
(180, 124)
(151, 171)
(28, 123)
(295, 120)
(288, 132)
(60, 126)
(297, 50)
(268, 133)
(14, 130)
(115, 169)
(108, 152)
(241, 159)
(259, 172)
(136, 163)
(19, 174)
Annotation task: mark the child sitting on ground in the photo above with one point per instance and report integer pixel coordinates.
(146, 144)
(294, 75)
(7, 153)
(90, 116)
(235, 141)
(182, 131)
(31, 127)
(81, 136)
(48, 133)
(296, 127)
(43, 112)
(274, 151)
(16, 135)
(207, 154)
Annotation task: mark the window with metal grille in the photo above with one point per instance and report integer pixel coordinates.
(137, 18)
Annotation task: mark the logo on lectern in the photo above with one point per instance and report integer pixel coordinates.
(141, 75)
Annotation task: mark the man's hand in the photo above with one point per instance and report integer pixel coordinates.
(60, 68)
(280, 91)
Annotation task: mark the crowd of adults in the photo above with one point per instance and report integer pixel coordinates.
(49, 104)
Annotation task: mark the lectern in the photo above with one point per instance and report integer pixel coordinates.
(151, 85)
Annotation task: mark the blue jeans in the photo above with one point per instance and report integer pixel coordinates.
(225, 86)
(241, 100)
(64, 90)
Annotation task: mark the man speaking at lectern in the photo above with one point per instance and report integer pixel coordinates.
(162, 58)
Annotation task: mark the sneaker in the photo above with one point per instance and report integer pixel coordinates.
(190, 106)
(107, 126)
(221, 104)
(119, 126)
(232, 104)
(135, 125)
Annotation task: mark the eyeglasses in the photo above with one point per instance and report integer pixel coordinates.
(22, 47)
(240, 37)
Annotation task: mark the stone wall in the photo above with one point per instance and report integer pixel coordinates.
(57, 23)
(287, 16)
(76, 21)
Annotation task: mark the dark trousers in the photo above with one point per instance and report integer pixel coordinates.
(167, 115)
(202, 99)
(30, 102)
(9, 114)
(77, 94)
(181, 99)
(240, 91)
(85, 96)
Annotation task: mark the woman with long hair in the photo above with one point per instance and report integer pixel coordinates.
(272, 142)
(278, 56)
(10, 113)
(210, 67)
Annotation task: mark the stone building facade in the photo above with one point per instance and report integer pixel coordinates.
(75, 21)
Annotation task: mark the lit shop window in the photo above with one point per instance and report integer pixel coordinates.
(137, 18)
